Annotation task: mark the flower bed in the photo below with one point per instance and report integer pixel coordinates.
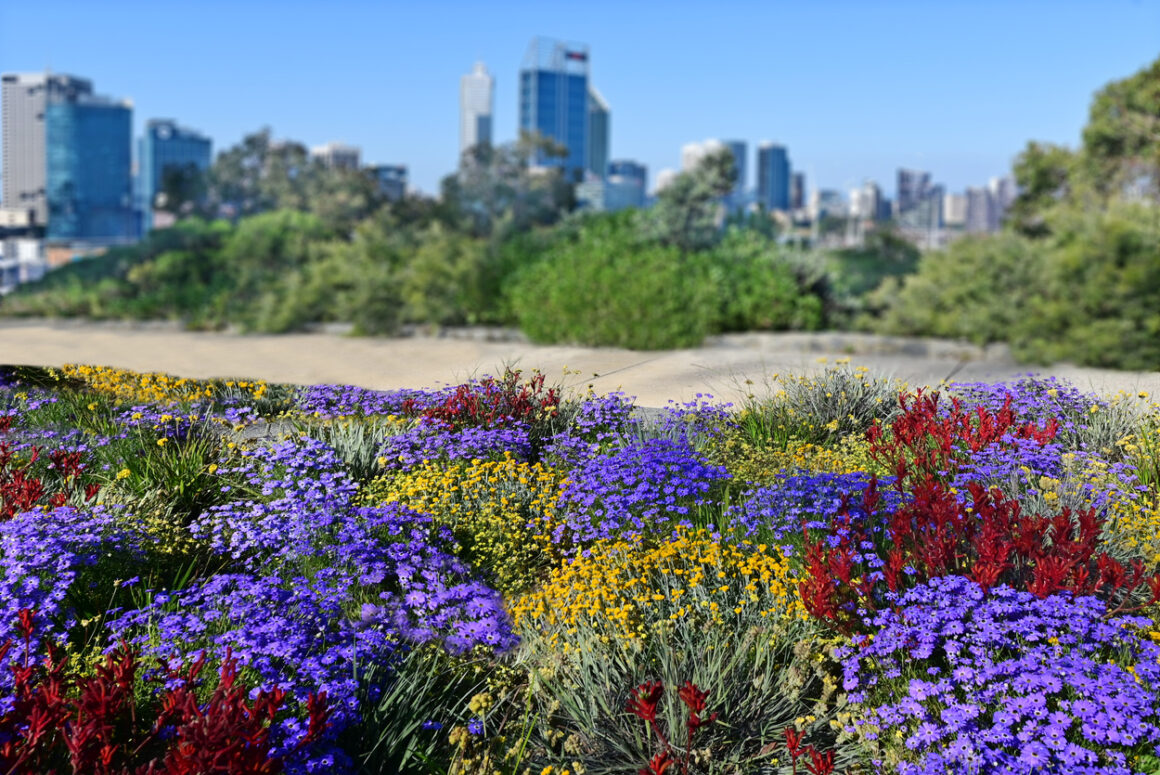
(497, 577)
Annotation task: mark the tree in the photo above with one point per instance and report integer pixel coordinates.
(1121, 142)
(500, 186)
(688, 213)
(1045, 176)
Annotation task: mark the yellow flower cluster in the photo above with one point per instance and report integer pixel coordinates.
(628, 593)
(1134, 526)
(503, 511)
(152, 387)
(749, 462)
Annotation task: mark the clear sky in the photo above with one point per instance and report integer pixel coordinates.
(854, 89)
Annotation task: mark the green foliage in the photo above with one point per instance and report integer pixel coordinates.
(495, 189)
(1099, 292)
(426, 683)
(1121, 142)
(858, 271)
(977, 289)
(609, 289)
(763, 287)
(840, 402)
(688, 211)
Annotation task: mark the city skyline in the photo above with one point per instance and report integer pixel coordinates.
(846, 104)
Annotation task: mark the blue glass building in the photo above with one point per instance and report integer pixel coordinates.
(167, 146)
(554, 102)
(773, 176)
(88, 179)
(629, 169)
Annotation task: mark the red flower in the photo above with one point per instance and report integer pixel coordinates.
(644, 700)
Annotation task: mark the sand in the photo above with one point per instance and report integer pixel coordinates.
(720, 368)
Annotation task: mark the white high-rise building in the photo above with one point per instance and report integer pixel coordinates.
(476, 108)
(981, 212)
(1003, 191)
(865, 201)
(955, 209)
(23, 99)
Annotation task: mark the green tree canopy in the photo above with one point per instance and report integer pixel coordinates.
(688, 212)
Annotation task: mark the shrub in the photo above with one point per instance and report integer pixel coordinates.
(607, 289)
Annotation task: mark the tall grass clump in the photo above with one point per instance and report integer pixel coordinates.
(839, 402)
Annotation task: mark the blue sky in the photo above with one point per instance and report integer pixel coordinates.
(853, 89)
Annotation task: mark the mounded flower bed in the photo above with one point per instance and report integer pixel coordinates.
(497, 577)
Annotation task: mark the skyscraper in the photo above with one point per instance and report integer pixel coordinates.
(773, 176)
(913, 188)
(629, 170)
(599, 132)
(167, 146)
(627, 184)
(476, 107)
(797, 191)
(23, 97)
(88, 155)
(554, 102)
(981, 217)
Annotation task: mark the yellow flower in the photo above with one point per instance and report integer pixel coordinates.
(124, 473)
(162, 442)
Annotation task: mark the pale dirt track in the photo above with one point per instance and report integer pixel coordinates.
(719, 368)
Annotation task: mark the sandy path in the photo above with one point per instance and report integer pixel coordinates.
(719, 368)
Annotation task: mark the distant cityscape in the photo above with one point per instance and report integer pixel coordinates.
(72, 185)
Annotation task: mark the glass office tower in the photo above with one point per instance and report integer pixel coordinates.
(554, 102)
(773, 176)
(167, 146)
(88, 181)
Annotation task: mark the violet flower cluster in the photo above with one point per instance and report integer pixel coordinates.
(430, 441)
(300, 488)
(1006, 682)
(348, 400)
(304, 517)
(797, 500)
(635, 490)
(42, 554)
(598, 423)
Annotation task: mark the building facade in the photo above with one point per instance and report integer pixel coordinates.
(797, 191)
(554, 102)
(954, 210)
(476, 108)
(88, 161)
(167, 146)
(392, 180)
(629, 170)
(773, 176)
(338, 156)
(23, 98)
(913, 188)
(599, 133)
(981, 211)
